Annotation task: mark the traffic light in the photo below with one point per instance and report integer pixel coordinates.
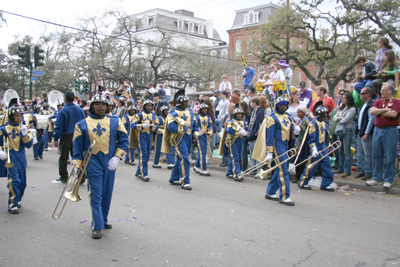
(85, 87)
(38, 56)
(77, 86)
(24, 55)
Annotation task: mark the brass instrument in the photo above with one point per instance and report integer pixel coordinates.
(74, 185)
(175, 138)
(309, 167)
(8, 164)
(335, 146)
(230, 139)
(291, 154)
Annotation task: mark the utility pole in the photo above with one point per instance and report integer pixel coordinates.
(287, 36)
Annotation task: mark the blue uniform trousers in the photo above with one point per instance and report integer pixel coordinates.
(100, 188)
(46, 141)
(144, 146)
(16, 178)
(171, 157)
(327, 172)
(157, 153)
(182, 164)
(235, 152)
(201, 161)
(130, 156)
(39, 146)
(280, 178)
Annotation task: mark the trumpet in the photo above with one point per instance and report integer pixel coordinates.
(335, 146)
(8, 164)
(74, 185)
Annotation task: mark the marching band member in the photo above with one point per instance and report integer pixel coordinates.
(127, 120)
(279, 128)
(3, 115)
(111, 142)
(40, 133)
(145, 124)
(19, 138)
(204, 124)
(180, 122)
(159, 137)
(316, 140)
(235, 130)
(49, 113)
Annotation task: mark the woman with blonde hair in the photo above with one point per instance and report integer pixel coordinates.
(294, 104)
(265, 106)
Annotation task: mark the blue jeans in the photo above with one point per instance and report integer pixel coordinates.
(253, 162)
(345, 151)
(384, 145)
(245, 159)
(364, 155)
(361, 84)
(215, 139)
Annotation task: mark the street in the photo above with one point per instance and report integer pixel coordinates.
(219, 223)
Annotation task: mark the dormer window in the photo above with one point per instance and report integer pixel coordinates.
(213, 53)
(201, 29)
(251, 17)
(191, 27)
(146, 21)
(180, 24)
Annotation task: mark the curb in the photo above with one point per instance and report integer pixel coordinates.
(340, 183)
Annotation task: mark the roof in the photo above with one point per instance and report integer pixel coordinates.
(262, 12)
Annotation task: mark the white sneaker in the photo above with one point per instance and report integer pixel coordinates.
(287, 202)
(187, 187)
(387, 185)
(197, 169)
(170, 166)
(372, 182)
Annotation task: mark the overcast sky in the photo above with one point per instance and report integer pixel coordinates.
(222, 12)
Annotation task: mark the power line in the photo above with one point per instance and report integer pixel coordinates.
(121, 38)
(215, 6)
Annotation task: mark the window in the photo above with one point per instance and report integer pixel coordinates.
(201, 29)
(224, 53)
(180, 24)
(245, 20)
(251, 18)
(341, 84)
(348, 86)
(146, 21)
(191, 27)
(250, 46)
(238, 77)
(213, 53)
(212, 85)
(308, 83)
(298, 77)
(238, 46)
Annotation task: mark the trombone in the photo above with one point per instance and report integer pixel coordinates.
(335, 146)
(73, 193)
(291, 153)
(8, 164)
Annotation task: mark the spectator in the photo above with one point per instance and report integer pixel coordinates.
(246, 117)
(236, 92)
(257, 117)
(251, 92)
(222, 106)
(383, 45)
(157, 104)
(303, 121)
(210, 145)
(368, 69)
(191, 104)
(288, 73)
(225, 84)
(276, 75)
(152, 90)
(305, 95)
(365, 129)
(326, 100)
(385, 137)
(217, 94)
(265, 106)
(386, 72)
(196, 106)
(148, 95)
(120, 108)
(249, 77)
(294, 104)
(235, 100)
(267, 79)
(167, 92)
(332, 128)
(227, 117)
(345, 116)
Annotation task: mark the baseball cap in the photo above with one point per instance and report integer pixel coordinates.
(302, 84)
(217, 91)
(156, 94)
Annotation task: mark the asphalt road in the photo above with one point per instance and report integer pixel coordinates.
(219, 223)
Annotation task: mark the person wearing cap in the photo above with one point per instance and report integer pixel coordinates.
(157, 104)
(205, 128)
(288, 73)
(249, 76)
(314, 145)
(305, 94)
(161, 120)
(127, 120)
(109, 146)
(65, 123)
(144, 124)
(225, 84)
(19, 138)
(273, 141)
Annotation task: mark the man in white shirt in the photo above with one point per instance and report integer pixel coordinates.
(223, 105)
(288, 72)
(151, 90)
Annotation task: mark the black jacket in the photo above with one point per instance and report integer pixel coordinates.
(369, 71)
(253, 131)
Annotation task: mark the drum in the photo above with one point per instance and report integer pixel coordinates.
(34, 136)
(42, 121)
(26, 117)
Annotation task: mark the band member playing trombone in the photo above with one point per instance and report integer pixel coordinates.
(18, 138)
(144, 125)
(315, 145)
(279, 128)
(111, 142)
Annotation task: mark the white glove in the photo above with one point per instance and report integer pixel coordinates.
(145, 125)
(268, 158)
(162, 131)
(221, 133)
(53, 120)
(24, 130)
(2, 155)
(75, 172)
(315, 152)
(113, 163)
(297, 129)
(201, 132)
(243, 132)
(1, 116)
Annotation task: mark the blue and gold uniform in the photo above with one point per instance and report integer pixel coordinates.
(316, 140)
(17, 144)
(144, 139)
(50, 129)
(111, 140)
(127, 120)
(161, 120)
(3, 117)
(40, 133)
(181, 126)
(204, 125)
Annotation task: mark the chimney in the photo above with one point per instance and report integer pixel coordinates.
(210, 28)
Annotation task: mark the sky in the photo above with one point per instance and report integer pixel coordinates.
(222, 12)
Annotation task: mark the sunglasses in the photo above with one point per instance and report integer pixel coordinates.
(341, 94)
(363, 93)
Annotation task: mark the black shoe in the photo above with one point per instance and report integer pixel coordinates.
(107, 226)
(127, 162)
(359, 175)
(132, 163)
(19, 205)
(96, 234)
(41, 157)
(36, 158)
(146, 179)
(345, 175)
(64, 181)
(204, 174)
(223, 165)
(156, 166)
(366, 177)
(287, 202)
(329, 189)
(175, 182)
(138, 176)
(337, 171)
(273, 198)
(306, 187)
(229, 176)
(14, 211)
